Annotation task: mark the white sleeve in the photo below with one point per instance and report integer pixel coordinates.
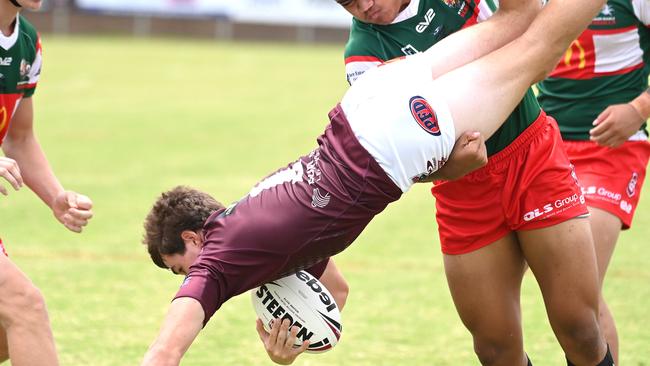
(642, 10)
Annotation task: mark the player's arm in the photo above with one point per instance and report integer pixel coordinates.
(71, 209)
(469, 153)
(620, 121)
(182, 324)
(509, 22)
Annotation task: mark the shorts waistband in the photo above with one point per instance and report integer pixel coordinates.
(522, 140)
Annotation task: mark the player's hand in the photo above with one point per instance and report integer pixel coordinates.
(469, 153)
(279, 343)
(615, 125)
(10, 171)
(73, 210)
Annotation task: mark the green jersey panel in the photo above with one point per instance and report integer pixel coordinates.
(370, 44)
(603, 66)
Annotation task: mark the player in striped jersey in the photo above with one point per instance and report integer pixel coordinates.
(598, 94)
(25, 335)
(524, 206)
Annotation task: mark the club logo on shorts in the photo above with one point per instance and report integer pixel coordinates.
(631, 185)
(424, 115)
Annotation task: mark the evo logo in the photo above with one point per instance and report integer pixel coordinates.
(428, 17)
(5, 61)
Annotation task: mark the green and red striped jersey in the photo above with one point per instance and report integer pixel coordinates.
(603, 66)
(20, 68)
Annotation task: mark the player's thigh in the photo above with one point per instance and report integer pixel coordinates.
(485, 286)
(605, 228)
(563, 259)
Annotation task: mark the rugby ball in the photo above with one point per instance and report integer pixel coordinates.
(302, 299)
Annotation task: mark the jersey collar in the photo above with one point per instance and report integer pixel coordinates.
(410, 11)
(8, 42)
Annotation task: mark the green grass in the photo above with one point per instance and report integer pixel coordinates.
(123, 119)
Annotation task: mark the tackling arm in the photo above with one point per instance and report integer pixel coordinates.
(183, 323)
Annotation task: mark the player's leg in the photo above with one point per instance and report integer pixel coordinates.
(485, 286)
(605, 228)
(24, 318)
(563, 259)
(484, 92)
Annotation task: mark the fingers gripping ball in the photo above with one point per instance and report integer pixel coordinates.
(302, 299)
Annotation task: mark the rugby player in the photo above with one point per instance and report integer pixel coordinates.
(394, 127)
(25, 334)
(598, 95)
(519, 207)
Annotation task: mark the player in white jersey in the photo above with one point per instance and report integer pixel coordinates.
(25, 335)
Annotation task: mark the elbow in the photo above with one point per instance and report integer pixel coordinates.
(340, 293)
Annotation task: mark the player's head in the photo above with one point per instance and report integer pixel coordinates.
(27, 4)
(374, 11)
(173, 227)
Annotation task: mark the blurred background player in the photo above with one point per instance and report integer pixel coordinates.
(598, 95)
(274, 230)
(25, 335)
(495, 219)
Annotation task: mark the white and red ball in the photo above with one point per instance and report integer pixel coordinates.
(304, 300)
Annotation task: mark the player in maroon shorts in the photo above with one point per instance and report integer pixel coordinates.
(396, 126)
(25, 335)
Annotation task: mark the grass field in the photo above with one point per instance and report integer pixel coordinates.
(124, 119)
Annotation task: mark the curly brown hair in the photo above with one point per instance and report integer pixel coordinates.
(179, 209)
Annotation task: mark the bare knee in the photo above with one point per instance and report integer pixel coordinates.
(503, 351)
(579, 335)
(22, 304)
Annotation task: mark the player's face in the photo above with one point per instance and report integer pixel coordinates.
(180, 263)
(30, 4)
(374, 11)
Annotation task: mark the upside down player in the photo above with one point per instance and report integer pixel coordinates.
(598, 95)
(300, 218)
(25, 335)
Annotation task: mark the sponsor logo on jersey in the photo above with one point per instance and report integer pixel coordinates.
(424, 115)
(319, 200)
(409, 50)
(607, 16)
(428, 17)
(5, 61)
(313, 171)
(556, 207)
(631, 185)
(25, 68)
(292, 174)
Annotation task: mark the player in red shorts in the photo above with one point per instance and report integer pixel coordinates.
(394, 127)
(600, 99)
(25, 335)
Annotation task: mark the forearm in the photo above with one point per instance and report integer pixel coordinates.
(34, 167)
(509, 22)
(183, 323)
(642, 104)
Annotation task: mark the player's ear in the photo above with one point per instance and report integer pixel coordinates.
(191, 238)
